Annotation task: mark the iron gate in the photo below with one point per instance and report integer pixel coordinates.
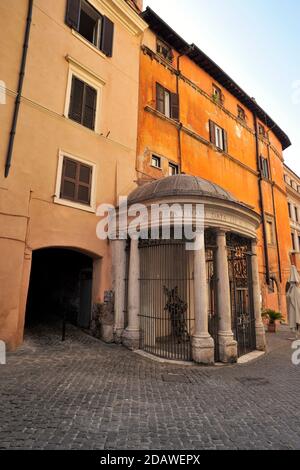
(213, 318)
(166, 293)
(243, 319)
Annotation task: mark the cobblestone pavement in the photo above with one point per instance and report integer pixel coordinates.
(83, 394)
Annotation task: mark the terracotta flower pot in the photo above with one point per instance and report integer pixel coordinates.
(272, 327)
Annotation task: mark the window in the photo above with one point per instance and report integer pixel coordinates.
(293, 241)
(261, 131)
(167, 103)
(164, 50)
(270, 232)
(173, 169)
(264, 167)
(296, 214)
(83, 102)
(156, 161)
(218, 136)
(76, 181)
(87, 21)
(241, 113)
(299, 240)
(290, 210)
(286, 179)
(217, 94)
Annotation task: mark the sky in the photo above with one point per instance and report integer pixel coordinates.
(257, 43)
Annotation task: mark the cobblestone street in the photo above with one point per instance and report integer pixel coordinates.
(83, 394)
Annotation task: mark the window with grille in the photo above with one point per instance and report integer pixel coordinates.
(83, 103)
(76, 181)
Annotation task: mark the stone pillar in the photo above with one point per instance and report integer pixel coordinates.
(227, 344)
(259, 326)
(119, 274)
(203, 350)
(131, 335)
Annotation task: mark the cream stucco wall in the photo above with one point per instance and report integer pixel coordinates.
(29, 217)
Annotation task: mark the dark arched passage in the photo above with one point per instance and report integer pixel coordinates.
(60, 286)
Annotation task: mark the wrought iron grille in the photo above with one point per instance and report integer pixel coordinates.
(213, 319)
(243, 319)
(166, 293)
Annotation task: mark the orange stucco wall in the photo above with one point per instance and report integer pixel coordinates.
(236, 170)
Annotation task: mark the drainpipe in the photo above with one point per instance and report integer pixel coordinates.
(19, 92)
(275, 216)
(261, 202)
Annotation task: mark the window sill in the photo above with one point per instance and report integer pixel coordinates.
(77, 124)
(156, 167)
(74, 205)
(89, 44)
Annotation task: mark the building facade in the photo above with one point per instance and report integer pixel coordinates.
(195, 120)
(72, 148)
(292, 182)
(121, 105)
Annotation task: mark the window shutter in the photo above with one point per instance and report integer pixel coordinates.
(175, 106)
(107, 36)
(68, 183)
(73, 13)
(84, 184)
(89, 107)
(76, 100)
(225, 141)
(160, 101)
(212, 132)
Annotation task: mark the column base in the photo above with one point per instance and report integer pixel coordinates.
(131, 339)
(260, 337)
(227, 348)
(118, 334)
(203, 349)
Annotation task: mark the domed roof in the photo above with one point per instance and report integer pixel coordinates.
(179, 185)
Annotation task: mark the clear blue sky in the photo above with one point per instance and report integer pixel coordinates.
(257, 42)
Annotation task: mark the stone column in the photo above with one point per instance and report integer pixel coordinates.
(119, 274)
(259, 326)
(131, 335)
(227, 344)
(203, 351)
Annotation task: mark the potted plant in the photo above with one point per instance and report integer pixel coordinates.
(272, 316)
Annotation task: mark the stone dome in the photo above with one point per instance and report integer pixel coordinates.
(179, 185)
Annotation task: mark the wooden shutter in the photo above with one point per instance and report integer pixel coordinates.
(212, 132)
(76, 100)
(73, 13)
(174, 106)
(89, 112)
(68, 182)
(160, 98)
(84, 184)
(225, 141)
(107, 36)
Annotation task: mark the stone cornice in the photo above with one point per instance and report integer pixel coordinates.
(123, 13)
